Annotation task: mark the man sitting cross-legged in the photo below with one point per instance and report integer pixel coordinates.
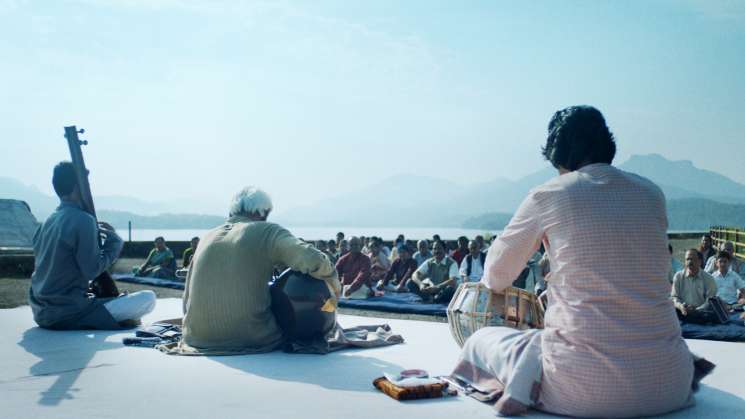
(160, 262)
(354, 271)
(435, 280)
(692, 290)
(227, 300)
(379, 262)
(734, 265)
(401, 270)
(68, 257)
(472, 267)
(611, 346)
(728, 282)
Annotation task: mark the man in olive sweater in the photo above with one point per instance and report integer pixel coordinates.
(227, 303)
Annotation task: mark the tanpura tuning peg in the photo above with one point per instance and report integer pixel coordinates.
(81, 131)
(83, 142)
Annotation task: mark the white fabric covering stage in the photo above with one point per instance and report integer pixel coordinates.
(47, 374)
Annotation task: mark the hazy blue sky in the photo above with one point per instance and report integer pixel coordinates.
(194, 99)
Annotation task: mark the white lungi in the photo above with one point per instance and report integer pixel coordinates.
(509, 355)
(132, 306)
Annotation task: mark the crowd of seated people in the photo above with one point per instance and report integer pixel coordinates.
(367, 267)
(703, 295)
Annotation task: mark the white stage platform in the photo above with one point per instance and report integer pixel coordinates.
(46, 374)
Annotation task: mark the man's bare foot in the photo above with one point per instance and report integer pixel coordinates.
(507, 406)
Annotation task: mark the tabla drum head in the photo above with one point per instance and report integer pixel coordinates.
(300, 305)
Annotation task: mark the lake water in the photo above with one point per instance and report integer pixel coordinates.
(317, 233)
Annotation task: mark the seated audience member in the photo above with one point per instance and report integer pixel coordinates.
(160, 263)
(387, 250)
(462, 250)
(692, 289)
(706, 248)
(333, 251)
(435, 280)
(68, 256)
(422, 253)
(436, 238)
(536, 278)
(401, 270)
(482, 244)
(323, 247)
(543, 268)
(354, 270)
(339, 238)
(365, 244)
(472, 267)
(400, 241)
(189, 252)
(343, 249)
(227, 301)
(379, 262)
(451, 247)
(735, 265)
(728, 282)
(675, 265)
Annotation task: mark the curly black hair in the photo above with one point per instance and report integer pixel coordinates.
(577, 136)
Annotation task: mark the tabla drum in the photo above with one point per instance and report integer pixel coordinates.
(475, 306)
(302, 305)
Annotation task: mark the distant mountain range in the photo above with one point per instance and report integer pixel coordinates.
(42, 204)
(419, 201)
(697, 198)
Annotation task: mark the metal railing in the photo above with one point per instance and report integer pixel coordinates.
(721, 234)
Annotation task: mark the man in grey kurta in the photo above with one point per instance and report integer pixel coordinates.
(227, 303)
(67, 257)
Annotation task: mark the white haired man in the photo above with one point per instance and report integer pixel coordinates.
(227, 303)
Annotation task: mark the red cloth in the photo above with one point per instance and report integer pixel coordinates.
(459, 254)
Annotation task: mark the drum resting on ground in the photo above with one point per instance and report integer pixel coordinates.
(475, 306)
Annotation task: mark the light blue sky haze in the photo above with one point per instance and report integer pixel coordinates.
(192, 100)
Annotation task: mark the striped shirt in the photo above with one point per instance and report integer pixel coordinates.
(612, 344)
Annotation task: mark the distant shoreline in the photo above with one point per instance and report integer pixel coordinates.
(328, 233)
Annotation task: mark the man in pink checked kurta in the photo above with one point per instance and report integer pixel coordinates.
(612, 345)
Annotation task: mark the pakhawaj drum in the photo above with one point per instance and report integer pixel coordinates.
(475, 306)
